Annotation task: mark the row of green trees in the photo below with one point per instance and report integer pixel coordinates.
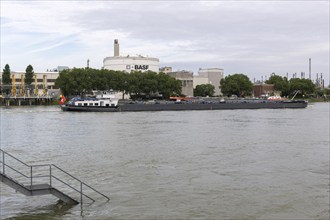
(287, 87)
(80, 81)
(240, 85)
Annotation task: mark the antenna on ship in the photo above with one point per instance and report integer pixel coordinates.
(87, 63)
(296, 92)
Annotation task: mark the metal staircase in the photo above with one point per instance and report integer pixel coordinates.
(33, 180)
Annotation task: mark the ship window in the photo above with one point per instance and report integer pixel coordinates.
(96, 104)
(107, 105)
(79, 104)
(91, 104)
(85, 104)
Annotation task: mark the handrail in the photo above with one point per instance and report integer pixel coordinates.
(40, 165)
(50, 175)
(65, 172)
(80, 181)
(97, 191)
(73, 188)
(15, 170)
(4, 152)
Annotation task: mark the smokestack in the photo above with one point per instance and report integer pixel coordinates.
(310, 68)
(116, 48)
(322, 82)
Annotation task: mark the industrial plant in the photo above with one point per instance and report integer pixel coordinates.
(43, 86)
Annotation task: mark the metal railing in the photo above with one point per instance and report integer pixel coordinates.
(52, 167)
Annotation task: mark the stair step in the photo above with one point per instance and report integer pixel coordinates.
(36, 189)
(39, 187)
(5, 175)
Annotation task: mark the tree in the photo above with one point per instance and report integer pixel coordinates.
(65, 82)
(168, 85)
(6, 78)
(6, 75)
(236, 84)
(327, 91)
(121, 81)
(151, 83)
(81, 80)
(305, 86)
(146, 84)
(204, 90)
(280, 84)
(134, 83)
(29, 75)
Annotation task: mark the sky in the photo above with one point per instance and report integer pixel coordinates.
(255, 38)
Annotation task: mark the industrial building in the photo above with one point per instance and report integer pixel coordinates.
(261, 90)
(43, 84)
(209, 76)
(130, 63)
(186, 78)
(189, 81)
(165, 69)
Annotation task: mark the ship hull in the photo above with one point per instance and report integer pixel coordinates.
(189, 106)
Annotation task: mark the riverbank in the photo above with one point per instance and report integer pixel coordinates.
(24, 101)
(311, 100)
(19, 101)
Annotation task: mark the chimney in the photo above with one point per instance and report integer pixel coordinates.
(116, 48)
(310, 68)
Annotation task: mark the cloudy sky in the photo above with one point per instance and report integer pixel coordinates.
(251, 37)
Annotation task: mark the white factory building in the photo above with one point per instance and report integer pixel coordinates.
(130, 63)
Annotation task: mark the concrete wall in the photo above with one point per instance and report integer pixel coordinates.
(210, 76)
(186, 79)
(199, 80)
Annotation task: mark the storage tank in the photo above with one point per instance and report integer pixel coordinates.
(130, 63)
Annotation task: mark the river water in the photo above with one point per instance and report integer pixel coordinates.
(226, 164)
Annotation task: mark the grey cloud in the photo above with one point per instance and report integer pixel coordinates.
(257, 36)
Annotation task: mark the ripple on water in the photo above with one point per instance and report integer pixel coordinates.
(245, 164)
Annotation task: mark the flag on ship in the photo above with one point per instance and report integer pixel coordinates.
(62, 99)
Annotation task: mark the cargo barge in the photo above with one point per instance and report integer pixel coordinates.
(108, 105)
